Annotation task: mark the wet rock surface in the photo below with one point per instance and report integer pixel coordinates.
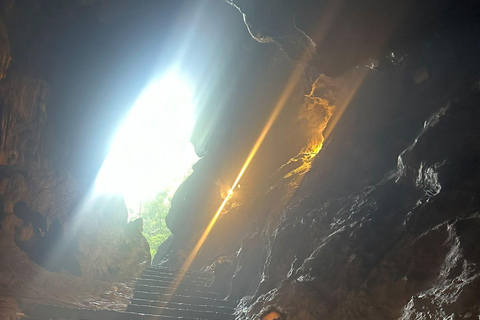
(392, 250)
(370, 252)
(403, 248)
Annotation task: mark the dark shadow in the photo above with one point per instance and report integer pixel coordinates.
(23, 211)
(48, 248)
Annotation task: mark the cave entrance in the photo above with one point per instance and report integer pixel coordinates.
(151, 153)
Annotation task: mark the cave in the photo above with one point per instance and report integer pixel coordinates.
(336, 169)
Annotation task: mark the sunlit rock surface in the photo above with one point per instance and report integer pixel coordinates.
(381, 222)
(404, 247)
(365, 255)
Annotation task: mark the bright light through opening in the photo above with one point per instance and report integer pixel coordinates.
(151, 150)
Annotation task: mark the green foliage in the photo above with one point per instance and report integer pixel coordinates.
(154, 227)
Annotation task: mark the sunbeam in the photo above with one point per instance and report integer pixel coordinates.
(286, 92)
(151, 150)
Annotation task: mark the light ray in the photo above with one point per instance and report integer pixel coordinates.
(287, 91)
(352, 84)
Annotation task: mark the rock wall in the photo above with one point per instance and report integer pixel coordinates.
(374, 215)
(392, 250)
(360, 203)
(44, 210)
(23, 118)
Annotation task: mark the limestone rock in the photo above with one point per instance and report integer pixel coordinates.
(5, 56)
(45, 212)
(20, 277)
(23, 115)
(112, 252)
(383, 224)
(338, 35)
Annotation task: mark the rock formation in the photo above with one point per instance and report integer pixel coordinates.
(358, 120)
(375, 215)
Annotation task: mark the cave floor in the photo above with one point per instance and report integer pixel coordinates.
(152, 298)
(20, 278)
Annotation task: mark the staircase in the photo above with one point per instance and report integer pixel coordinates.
(153, 299)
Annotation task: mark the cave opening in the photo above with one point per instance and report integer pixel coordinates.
(151, 153)
(239, 159)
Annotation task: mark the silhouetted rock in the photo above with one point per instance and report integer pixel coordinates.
(341, 35)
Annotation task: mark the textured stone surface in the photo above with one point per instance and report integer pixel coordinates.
(382, 223)
(43, 208)
(52, 194)
(23, 105)
(406, 247)
(112, 251)
(85, 236)
(5, 56)
(341, 35)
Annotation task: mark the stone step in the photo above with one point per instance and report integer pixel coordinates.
(171, 271)
(152, 299)
(207, 293)
(166, 283)
(199, 282)
(180, 305)
(173, 275)
(41, 312)
(177, 270)
(177, 312)
(182, 299)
